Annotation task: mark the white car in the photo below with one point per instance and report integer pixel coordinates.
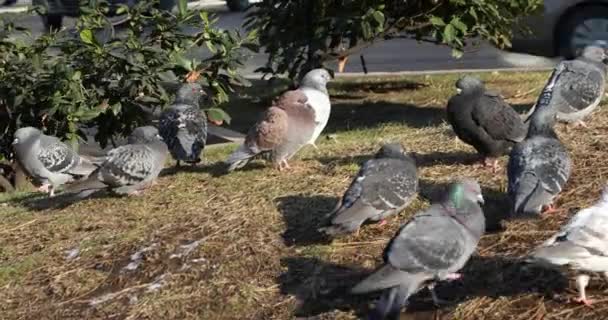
(564, 27)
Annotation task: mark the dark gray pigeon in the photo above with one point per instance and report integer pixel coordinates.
(539, 166)
(284, 128)
(433, 246)
(582, 245)
(183, 126)
(127, 169)
(581, 85)
(384, 186)
(47, 160)
(484, 120)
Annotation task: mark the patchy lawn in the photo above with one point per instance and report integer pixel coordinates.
(200, 245)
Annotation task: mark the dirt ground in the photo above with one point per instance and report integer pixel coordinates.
(203, 245)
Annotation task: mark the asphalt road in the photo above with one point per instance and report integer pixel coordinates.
(386, 56)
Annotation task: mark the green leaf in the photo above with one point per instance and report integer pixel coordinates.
(76, 76)
(437, 21)
(379, 17)
(87, 36)
(457, 53)
(218, 115)
(449, 34)
(182, 5)
(459, 25)
(122, 9)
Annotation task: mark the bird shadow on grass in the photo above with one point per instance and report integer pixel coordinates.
(495, 208)
(345, 116)
(215, 169)
(445, 158)
(304, 214)
(39, 201)
(322, 287)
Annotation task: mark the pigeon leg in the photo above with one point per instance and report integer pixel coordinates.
(436, 300)
(581, 283)
(342, 63)
(44, 188)
(314, 146)
(453, 276)
(549, 209)
(51, 191)
(581, 123)
(382, 223)
(178, 164)
(490, 163)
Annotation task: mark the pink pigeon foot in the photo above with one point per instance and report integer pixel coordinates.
(45, 188)
(549, 209)
(382, 223)
(453, 276)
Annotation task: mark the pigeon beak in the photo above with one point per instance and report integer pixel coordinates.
(15, 141)
(458, 90)
(480, 199)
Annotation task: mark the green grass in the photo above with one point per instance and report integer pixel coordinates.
(259, 255)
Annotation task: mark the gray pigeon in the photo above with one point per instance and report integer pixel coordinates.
(384, 186)
(539, 166)
(48, 160)
(127, 169)
(283, 129)
(433, 246)
(582, 245)
(183, 126)
(581, 85)
(484, 120)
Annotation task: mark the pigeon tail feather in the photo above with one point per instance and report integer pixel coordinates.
(85, 188)
(239, 158)
(392, 300)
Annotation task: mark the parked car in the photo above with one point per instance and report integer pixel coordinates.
(55, 10)
(564, 27)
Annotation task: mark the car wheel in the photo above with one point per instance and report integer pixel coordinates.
(581, 28)
(237, 5)
(52, 21)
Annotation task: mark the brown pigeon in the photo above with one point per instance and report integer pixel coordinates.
(283, 129)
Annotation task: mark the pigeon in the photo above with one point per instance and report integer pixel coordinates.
(47, 160)
(314, 87)
(581, 85)
(484, 120)
(285, 127)
(539, 166)
(183, 126)
(127, 169)
(581, 244)
(433, 246)
(384, 186)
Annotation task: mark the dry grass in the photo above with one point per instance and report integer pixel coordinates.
(244, 246)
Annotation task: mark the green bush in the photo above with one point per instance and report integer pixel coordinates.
(301, 34)
(99, 77)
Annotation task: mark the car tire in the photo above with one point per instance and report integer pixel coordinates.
(566, 33)
(52, 21)
(237, 5)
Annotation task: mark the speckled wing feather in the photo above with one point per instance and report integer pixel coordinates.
(184, 129)
(57, 157)
(538, 169)
(128, 164)
(269, 131)
(382, 187)
(579, 85)
(498, 119)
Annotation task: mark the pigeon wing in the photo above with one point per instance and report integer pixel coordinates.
(498, 119)
(428, 243)
(580, 85)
